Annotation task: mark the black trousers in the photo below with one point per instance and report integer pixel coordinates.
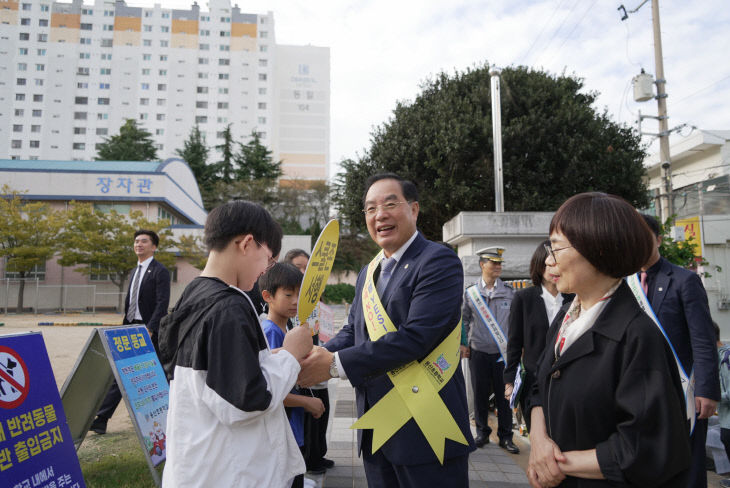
(114, 395)
(381, 473)
(315, 432)
(486, 376)
(698, 468)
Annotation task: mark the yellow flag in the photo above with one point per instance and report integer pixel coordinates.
(318, 270)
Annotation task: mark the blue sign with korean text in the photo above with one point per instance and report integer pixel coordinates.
(145, 385)
(36, 447)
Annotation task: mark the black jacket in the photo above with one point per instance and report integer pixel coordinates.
(528, 326)
(616, 389)
(153, 297)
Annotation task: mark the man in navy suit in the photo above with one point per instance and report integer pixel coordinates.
(148, 297)
(420, 287)
(679, 301)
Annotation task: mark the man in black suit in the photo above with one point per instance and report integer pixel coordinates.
(679, 301)
(148, 297)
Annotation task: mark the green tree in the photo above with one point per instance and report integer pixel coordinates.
(255, 162)
(555, 144)
(133, 143)
(102, 242)
(192, 250)
(225, 167)
(27, 235)
(195, 153)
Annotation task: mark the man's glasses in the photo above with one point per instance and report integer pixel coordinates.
(552, 251)
(272, 261)
(388, 207)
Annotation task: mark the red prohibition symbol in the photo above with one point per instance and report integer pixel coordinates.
(14, 379)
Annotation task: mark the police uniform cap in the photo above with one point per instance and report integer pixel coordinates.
(493, 253)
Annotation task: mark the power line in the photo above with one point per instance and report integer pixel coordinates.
(702, 89)
(570, 11)
(590, 7)
(524, 57)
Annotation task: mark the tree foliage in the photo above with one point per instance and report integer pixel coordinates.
(195, 153)
(27, 235)
(192, 250)
(133, 143)
(225, 168)
(254, 161)
(555, 144)
(102, 242)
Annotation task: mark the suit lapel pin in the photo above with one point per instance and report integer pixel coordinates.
(406, 266)
(660, 288)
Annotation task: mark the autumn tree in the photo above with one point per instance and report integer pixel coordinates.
(133, 143)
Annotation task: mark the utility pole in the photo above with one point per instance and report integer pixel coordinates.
(665, 189)
(497, 138)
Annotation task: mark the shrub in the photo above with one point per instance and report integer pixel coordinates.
(340, 293)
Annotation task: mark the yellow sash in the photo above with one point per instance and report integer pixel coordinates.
(415, 385)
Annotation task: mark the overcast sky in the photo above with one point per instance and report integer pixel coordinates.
(382, 50)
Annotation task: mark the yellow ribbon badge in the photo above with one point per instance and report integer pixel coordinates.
(415, 385)
(318, 270)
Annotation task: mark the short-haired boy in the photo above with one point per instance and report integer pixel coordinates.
(280, 290)
(226, 424)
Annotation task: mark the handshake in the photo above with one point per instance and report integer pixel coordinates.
(314, 360)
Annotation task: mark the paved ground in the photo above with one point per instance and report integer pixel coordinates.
(489, 466)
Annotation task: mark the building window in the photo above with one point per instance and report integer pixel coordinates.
(107, 42)
(145, 71)
(203, 76)
(42, 37)
(41, 52)
(81, 100)
(225, 47)
(82, 71)
(35, 128)
(164, 28)
(25, 21)
(223, 91)
(163, 57)
(105, 71)
(80, 130)
(107, 57)
(225, 33)
(144, 101)
(37, 98)
(148, 28)
(146, 57)
(37, 113)
(204, 47)
(146, 42)
(225, 19)
(262, 91)
(262, 105)
(145, 86)
(202, 89)
(262, 76)
(16, 144)
(263, 48)
(82, 85)
(165, 15)
(35, 144)
(201, 119)
(22, 66)
(224, 62)
(44, 8)
(19, 97)
(38, 272)
(78, 146)
(161, 87)
(162, 72)
(40, 67)
(19, 112)
(87, 11)
(263, 63)
(85, 40)
(24, 36)
(43, 22)
(98, 273)
(108, 27)
(202, 60)
(104, 86)
(38, 81)
(23, 51)
(17, 127)
(222, 76)
(161, 102)
(102, 101)
(223, 105)
(263, 34)
(84, 55)
(197, 105)
(262, 120)
(164, 43)
(79, 115)
(143, 116)
(159, 132)
(102, 116)
(20, 81)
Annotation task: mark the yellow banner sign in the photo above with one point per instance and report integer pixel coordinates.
(318, 269)
(692, 229)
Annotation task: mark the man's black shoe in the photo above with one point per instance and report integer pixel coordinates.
(509, 446)
(328, 463)
(481, 440)
(98, 426)
(319, 469)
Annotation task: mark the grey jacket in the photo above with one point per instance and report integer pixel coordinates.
(480, 338)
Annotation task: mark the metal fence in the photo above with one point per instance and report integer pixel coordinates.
(56, 298)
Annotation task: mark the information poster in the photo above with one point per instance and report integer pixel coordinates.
(36, 447)
(140, 375)
(326, 323)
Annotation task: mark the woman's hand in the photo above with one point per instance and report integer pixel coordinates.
(508, 387)
(543, 470)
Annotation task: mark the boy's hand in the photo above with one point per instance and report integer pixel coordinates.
(315, 407)
(298, 342)
(316, 367)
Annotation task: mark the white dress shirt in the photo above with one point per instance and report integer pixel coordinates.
(145, 264)
(552, 303)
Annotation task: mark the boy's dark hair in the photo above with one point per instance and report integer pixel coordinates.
(295, 253)
(607, 231)
(410, 192)
(281, 275)
(241, 217)
(652, 223)
(152, 235)
(537, 263)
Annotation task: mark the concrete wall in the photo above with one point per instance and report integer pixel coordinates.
(519, 233)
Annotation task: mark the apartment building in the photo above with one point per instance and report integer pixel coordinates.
(71, 73)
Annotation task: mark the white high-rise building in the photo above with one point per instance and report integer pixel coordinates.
(71, 73)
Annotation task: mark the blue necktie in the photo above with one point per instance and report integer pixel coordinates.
(386, 270)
